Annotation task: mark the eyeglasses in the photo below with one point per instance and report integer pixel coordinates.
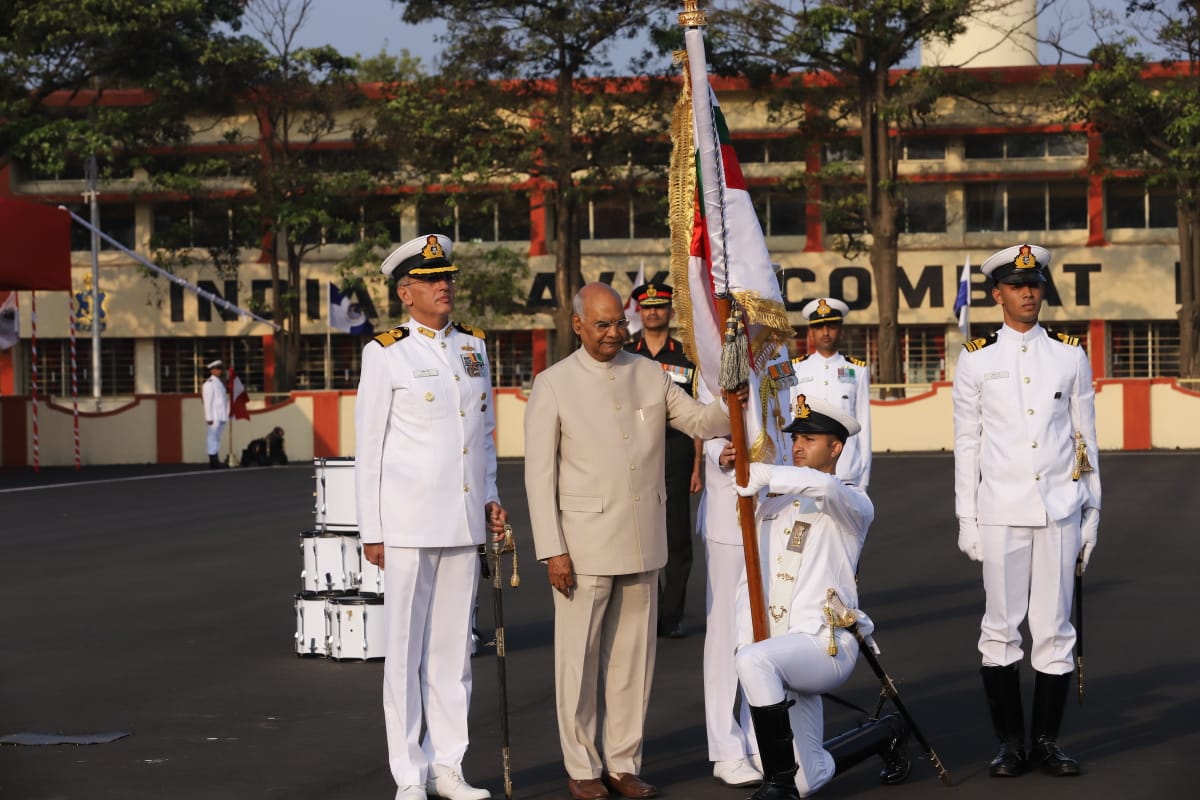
(450, 279)
(603, 325)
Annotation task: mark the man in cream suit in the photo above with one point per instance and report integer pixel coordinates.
(594, 429)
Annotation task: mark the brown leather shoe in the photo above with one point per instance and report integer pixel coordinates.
(587, 789)
(627, 784)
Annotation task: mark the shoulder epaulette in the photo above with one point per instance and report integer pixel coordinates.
(858, 362)
(469, 331)
(980, 343)
(392, 335)
(1073, 341)
(798, 359)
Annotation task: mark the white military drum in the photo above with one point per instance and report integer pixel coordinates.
(334, 509)
(356, 628)
(367, 578)
(325, 561)
(312, 625)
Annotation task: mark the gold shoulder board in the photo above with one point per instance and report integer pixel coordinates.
(798, 359)
(978, 344)
(1073, 341)
(392, 336)
(858, 362)
(467, 329)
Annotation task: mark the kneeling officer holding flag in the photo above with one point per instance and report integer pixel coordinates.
(812, 527)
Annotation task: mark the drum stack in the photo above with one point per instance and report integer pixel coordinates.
(339, 610)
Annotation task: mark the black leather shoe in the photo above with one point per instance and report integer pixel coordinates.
(1054, 761)
(896, 766)
(1008, 763)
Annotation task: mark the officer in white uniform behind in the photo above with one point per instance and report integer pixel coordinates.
(812, 527)
(216, 411)
(826, 374)
(425, 486)
(1027, 497)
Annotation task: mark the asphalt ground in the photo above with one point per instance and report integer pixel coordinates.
(159, 603)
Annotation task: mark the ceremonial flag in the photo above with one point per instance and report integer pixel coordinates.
(718, 250)
(10, 322)
(631, 305)
(346, 315)
(238, 392)
(962, 300)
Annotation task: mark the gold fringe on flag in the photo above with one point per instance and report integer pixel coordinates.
(771, 328)
(681, 197)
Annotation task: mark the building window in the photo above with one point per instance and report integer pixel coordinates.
(198, 223)
(181, 362)
(1025, 145)
(1026, 206)
(1143, 349)
(923, 148)
(380, 214)
(651, 215)
(611, 216)
(344, 359)
(54, 367)
(781, 211)
(511, 356)
(1130, 204)
(476, 217)
(924, 208)
(845, 148)
(116, 220)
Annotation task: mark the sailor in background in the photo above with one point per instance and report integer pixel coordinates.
(425, 487)
(826, 374)
(216, 412)
(1027, 497)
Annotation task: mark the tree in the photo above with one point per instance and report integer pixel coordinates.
(1149, 118)
(831, 68)
(299, 192)
(60, 60)
(526, 97)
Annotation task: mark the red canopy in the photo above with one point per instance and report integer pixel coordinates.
(35, 246)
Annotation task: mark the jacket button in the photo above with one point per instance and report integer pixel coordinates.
(633, 466)
(1035, 444)
(1030, 412)
(1027, 379)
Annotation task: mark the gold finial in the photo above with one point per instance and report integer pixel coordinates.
(692, 16)
(1082, 464)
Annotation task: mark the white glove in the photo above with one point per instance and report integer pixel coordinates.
(760, 478)
(969, 540)
(1088, 528)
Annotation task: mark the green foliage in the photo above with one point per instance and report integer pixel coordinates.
(491, 285)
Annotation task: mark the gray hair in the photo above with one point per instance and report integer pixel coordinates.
(577, 301)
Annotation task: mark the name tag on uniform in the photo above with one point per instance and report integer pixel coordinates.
(797, 537)
(424, 373)
(805, 379)
(991, 376)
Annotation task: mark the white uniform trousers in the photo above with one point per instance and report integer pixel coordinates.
(730, 734)
(427, 674)
(798, 666)
(1029, 570)
(212, 437)
(604, 644)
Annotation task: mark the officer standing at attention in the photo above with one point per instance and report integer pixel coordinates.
(682, 453)
(425, 490)
(216, 412)
(812, 527)
(1027, 497)
(842, 380)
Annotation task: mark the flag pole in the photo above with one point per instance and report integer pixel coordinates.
(712, 181)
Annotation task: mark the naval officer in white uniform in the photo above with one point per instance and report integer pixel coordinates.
(812, 528)
(425, 486)
(216, 412)
(845, 381)
(1027, 497)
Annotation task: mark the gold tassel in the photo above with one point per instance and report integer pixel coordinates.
(735, 360)
(1082, 464)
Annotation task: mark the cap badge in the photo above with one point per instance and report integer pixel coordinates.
(432, 248)
(802, 409)
(823, 308)
(651, 291)
(1025, 259)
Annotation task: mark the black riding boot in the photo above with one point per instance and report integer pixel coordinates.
(214, 462)
(1049, 702)
(886, 737)
(1002, 685)
(773, 730)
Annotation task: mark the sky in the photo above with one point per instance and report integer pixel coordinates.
(368, 26)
